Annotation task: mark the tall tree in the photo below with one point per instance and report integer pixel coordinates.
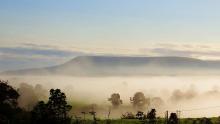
(57, 104)
(8, 95)
(8, 102)
(173, 119)
(10, 113)
(152, 116)
(54, 111)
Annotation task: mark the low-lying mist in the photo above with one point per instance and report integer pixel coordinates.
(194, 96)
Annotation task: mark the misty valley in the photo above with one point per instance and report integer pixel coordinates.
(123, 97)
(109, 61)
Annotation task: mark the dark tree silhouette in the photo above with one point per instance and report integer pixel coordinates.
(53, 112)
(93, 113)
(10, 113)
(8, 95)
(40, 113)
(57, 104)
(140, 115)
(205, 121)
(193, 122)
(8, 102)
(84, 115)
(173, 119)
(151, 116)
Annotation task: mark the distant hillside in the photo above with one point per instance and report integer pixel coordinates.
(126, 66)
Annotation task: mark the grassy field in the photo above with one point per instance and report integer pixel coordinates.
(214, 120)
(119, 121)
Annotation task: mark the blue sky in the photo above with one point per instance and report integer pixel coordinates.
(109, 27)
(109, 23)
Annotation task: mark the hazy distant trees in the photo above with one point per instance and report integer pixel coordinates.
(115, 100)
(156, 102)
(28, 98)
(56, 109)
(128, 115)
(29, 95)
(139, 101)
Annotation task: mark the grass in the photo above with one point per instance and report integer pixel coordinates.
(214, 120)
(118, 121)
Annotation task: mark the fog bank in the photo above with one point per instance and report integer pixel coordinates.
(196, 96)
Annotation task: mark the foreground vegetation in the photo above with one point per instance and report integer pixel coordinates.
(54, 111)
(133, 121)
(213, 120)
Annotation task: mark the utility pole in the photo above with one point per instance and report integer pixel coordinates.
(166, 117)
(178, 115)
(84, 115)
(109, 112)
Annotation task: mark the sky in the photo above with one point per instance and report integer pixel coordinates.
(35, 33)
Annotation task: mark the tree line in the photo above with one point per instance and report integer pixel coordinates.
(54, 111)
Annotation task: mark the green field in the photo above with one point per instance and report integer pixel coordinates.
(213, 120)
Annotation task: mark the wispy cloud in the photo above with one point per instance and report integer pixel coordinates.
(184, 50)
(39, 50)
(32, 51)
(33, 56)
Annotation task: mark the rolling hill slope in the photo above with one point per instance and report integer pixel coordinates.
(126, 66)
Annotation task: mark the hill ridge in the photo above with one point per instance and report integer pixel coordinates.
(125, 65)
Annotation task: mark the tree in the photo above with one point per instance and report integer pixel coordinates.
(57, 104)
(9, 110)
(139, 101)
(128, 115)
(8, 95)
(151, 116)
(140, 115)
(54, 111)
(115, 100)
(40, 113)
(93, 113)
(205, 121)
(173, 119)
(28, 97)
(8, 102)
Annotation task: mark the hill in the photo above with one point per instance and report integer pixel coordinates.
(126, 66)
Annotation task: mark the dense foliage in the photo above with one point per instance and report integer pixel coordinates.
(52, 112)
(55, 111)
